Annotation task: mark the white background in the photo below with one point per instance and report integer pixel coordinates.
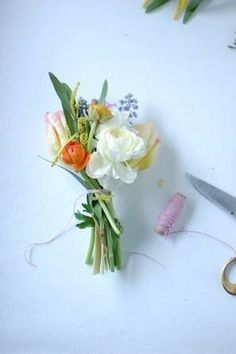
(184, 78)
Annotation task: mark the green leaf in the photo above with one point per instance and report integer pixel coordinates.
(104, 92)
(79, 179)
(67, 90)
(64, 93)
(81, 216)
(86, 208)
(85, 224)
(94, 208)
(153, 5)
(92, 183)
(97, 212)
(85, 219)
(89, 201)
(191, 8)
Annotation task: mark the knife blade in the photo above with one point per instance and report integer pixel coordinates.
(215, 195)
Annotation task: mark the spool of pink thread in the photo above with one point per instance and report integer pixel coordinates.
(169, 215)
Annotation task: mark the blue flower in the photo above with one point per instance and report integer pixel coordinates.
(129, 104)
(83, 107)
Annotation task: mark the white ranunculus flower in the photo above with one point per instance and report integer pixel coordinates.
(119, 119)
(117, 144)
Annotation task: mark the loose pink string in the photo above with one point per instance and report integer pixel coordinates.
(164, 224)
(29, 249)
(167, 218)
(148, 257)
(207, 235)
(186, 231)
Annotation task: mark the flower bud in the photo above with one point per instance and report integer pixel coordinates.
(74, 155)
(99, 112)
(56, 131)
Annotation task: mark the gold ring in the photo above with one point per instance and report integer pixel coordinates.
(228, 286)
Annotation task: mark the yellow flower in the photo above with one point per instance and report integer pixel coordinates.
(99, 112)
(150, 136)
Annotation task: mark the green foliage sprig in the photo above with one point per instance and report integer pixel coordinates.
(188, 7)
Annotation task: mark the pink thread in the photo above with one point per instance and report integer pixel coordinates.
(207, 235)
(169, 215)
(148, 257)
(29, 249)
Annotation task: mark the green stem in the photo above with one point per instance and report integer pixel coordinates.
(110, 248)
(86, 178)
(92, 183)
(91, 135)
(107, 212)
(97, 255)
(109, 217)
(111, 208)
(102, 259)
(88, 259)
(118, 256)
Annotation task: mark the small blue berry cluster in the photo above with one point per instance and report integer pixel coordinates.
(83, 107)
(129, 104)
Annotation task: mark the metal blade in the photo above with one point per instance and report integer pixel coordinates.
(215, 195)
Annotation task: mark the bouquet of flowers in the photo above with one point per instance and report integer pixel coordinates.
(98, 144)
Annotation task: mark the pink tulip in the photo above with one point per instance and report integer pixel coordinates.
(149, 134)
(56, 131)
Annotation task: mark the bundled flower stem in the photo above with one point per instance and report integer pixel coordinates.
(101, 149)
(98, 214)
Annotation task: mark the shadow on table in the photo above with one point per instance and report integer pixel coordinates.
(142, 201)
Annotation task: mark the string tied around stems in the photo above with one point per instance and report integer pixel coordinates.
(29, 249)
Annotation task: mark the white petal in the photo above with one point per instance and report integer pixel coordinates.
(137, 147)
(98, 166)
(118, 120)
(123, 116)
(120, 144)
(124, 172)
(110, 183)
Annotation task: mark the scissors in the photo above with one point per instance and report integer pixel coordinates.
(226, 202)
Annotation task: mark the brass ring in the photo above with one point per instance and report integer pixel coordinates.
(228, 286)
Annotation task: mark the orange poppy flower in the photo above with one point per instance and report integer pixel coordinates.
(75, 155)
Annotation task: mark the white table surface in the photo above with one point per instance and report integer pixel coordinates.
(184, 78)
